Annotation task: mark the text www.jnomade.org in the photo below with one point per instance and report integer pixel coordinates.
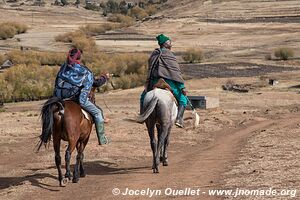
(198, 192)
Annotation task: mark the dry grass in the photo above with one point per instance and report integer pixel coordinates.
(120, 64)
(35, 57)
(130, 81)
(122, 19)
(138, 13)
(68, 37)
(96, 29)
(284, 53)
(193, 55)
(2, 59)
(77, 39)
(151, 9)
(82, 38)
(268, 56)
(10, 29)
(27, 80)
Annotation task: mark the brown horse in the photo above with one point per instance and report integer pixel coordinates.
(64, 120)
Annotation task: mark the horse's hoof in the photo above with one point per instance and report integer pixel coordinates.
(82, 175)
(75, 180)
(63, 182)
(155, 171)
(165, 163)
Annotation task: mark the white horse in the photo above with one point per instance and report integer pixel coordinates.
(160, 109)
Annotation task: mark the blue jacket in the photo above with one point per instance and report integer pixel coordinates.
(74, 81)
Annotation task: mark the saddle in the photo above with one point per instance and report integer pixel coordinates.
(162, 84)
(85, 113)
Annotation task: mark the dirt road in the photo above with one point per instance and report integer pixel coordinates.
(213, 156)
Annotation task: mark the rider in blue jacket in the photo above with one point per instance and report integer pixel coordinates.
(74, 81)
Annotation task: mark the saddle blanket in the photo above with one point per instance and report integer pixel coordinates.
(87, 115)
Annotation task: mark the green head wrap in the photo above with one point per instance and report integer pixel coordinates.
(162, 39)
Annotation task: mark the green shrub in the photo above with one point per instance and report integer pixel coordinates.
(123, 7)
(112, 6)
(284, 53)
(91, 6)
(193, 55)
(64, 2)
(10, 29)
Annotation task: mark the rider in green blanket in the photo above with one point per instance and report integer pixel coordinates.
(163, 64)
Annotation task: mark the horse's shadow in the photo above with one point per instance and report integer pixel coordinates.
(295, 87)
(34, 180)
(91, 167)
(108, 168)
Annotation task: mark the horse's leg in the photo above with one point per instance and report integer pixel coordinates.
(56, 145)
(70, 149)
(67, 159)
(161, 136)
(162, 149)
(150, 127)
(76, 167)
(79, 161)
(82, 172)
(165, 149)
(81, 168)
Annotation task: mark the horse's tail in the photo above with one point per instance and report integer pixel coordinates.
(48, 120)
(148, 107)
